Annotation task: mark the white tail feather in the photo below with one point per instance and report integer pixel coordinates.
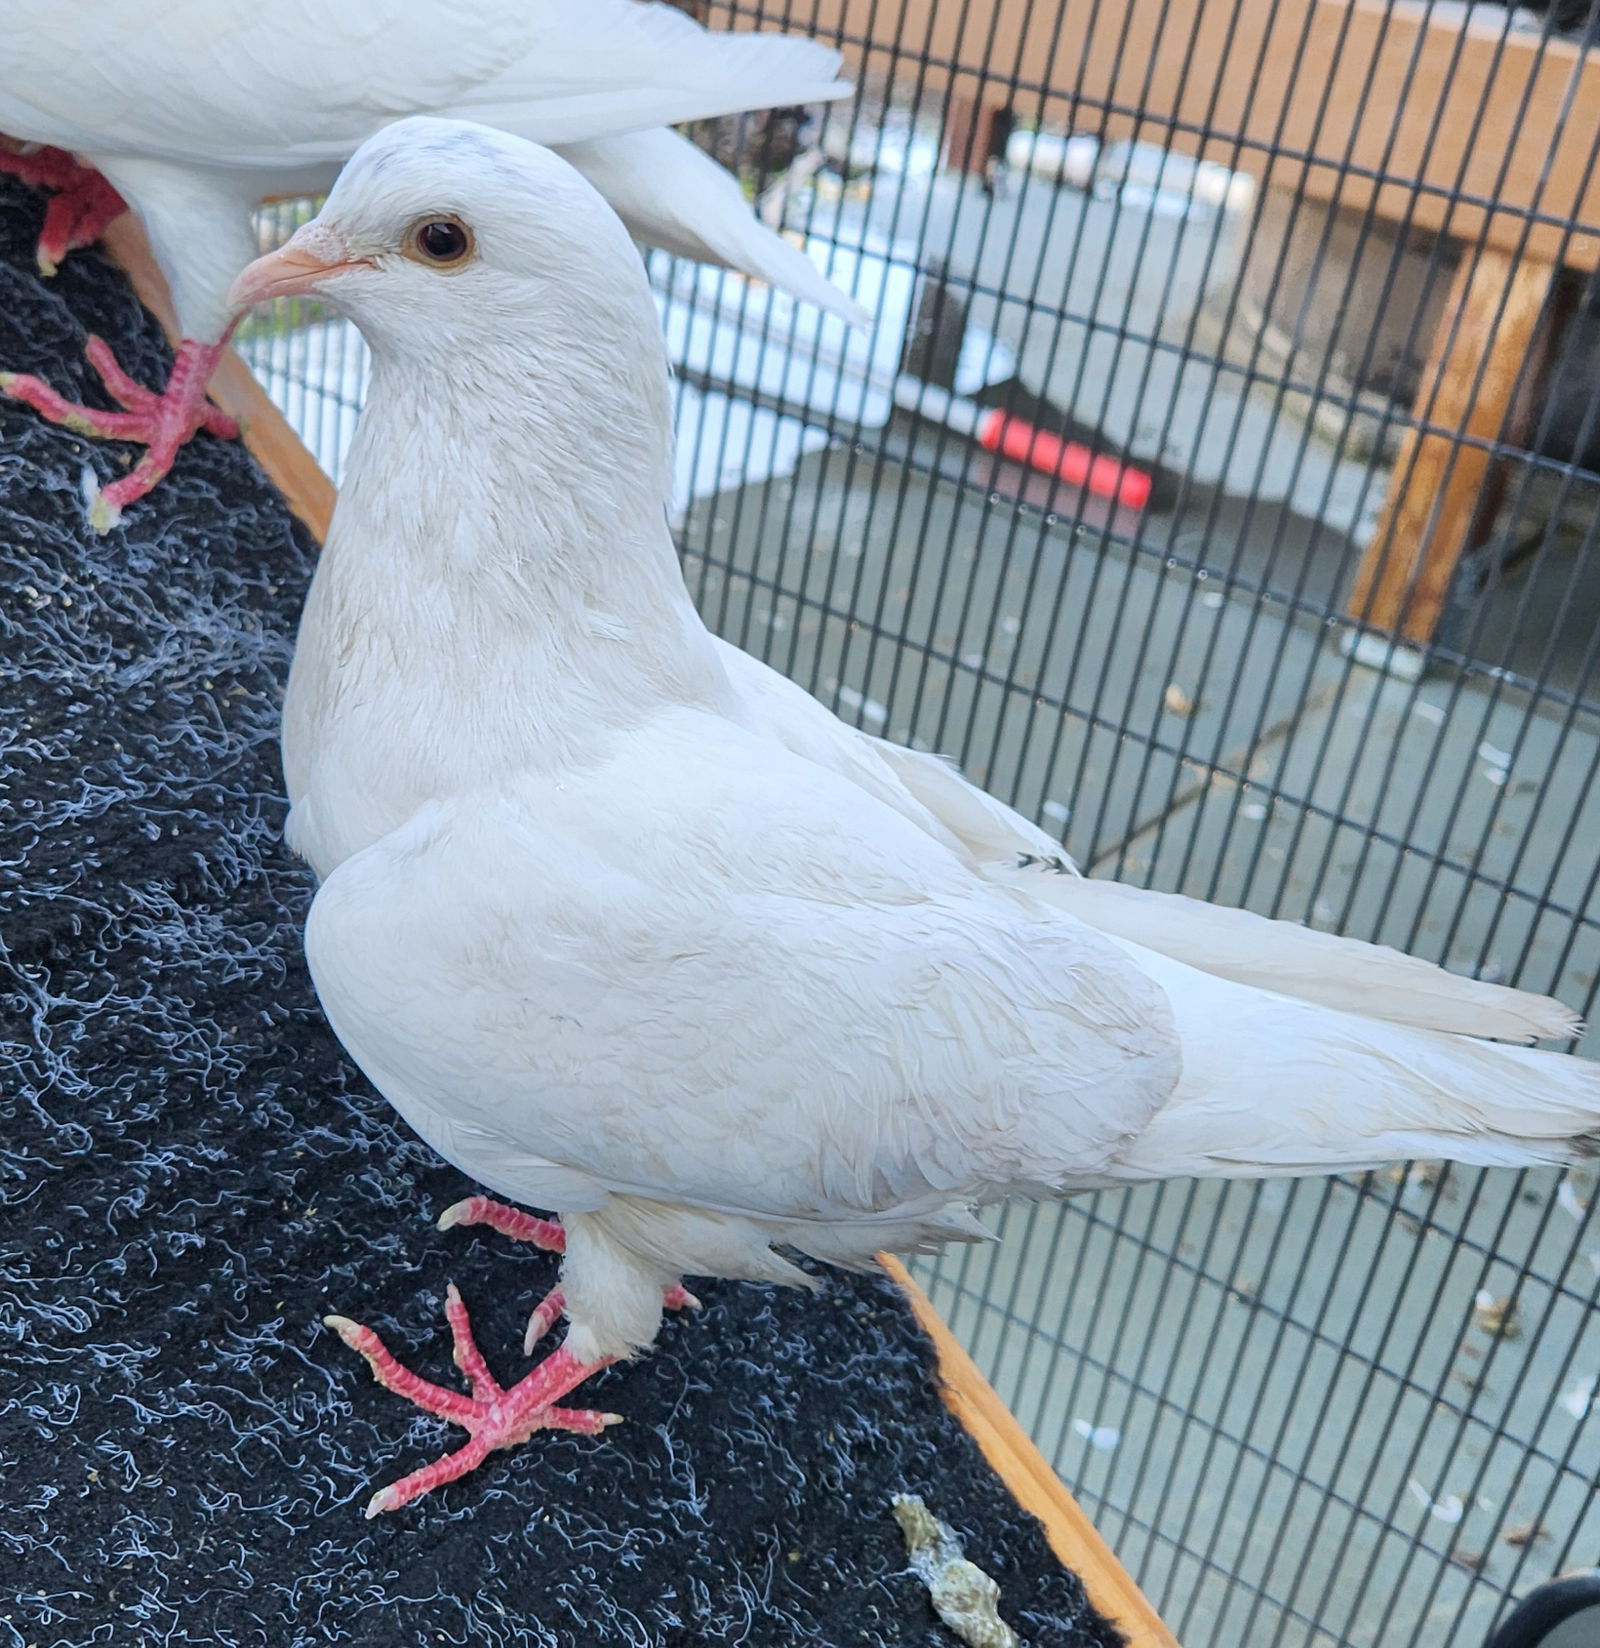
(673, 195)
(1272, 1086)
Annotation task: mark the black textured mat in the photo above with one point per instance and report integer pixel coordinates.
(193, 1174)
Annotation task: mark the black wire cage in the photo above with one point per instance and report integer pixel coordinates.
(1218, 485)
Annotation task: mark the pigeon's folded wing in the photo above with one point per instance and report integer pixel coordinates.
(280, 83)
(1282, 956)
(707, 972)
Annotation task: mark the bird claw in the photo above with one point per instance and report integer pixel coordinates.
(82, 202)
(509, 1221)
(104, 512)
(494, 1416)
(163, 422)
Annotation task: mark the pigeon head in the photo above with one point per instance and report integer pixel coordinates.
(442, 234)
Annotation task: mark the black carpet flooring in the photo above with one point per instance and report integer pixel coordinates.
(192, 1174)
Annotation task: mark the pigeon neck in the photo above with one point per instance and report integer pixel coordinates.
(512, 485)
(527, 506)
(498, 592)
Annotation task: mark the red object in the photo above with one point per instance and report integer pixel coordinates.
(509, 1221)
(82, 203)
(161, 422)
(1069, 460)
(494, 1415)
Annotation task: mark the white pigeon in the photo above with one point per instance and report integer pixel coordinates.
(628, 926)
(197, 111)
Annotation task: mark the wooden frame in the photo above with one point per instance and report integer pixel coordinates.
(1034, 1486)
(1517, 120)
(1441, 495)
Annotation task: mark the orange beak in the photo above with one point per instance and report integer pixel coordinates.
(296, 268)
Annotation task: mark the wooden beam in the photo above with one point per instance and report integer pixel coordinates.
(1432, 516)
(962, 149)
(273, 444)
(975, 130)
(1430, 107)
(1439, 109)
(1034, 1486)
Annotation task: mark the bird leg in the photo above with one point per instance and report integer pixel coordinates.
(509, 1221)
(544, 1233)
(493, 1415)
(161, 422)
(82, 203)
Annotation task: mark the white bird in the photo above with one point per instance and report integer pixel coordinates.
(198, 111)
(629, 927)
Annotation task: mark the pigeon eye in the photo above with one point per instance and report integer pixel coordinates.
(445, 242)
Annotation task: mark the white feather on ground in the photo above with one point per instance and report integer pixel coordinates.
(629, 926)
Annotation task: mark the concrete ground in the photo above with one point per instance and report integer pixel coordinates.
(1100, 297)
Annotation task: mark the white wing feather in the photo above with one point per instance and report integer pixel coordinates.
(287, 83)
(708, 973)
(1280, 956)
(673, 195)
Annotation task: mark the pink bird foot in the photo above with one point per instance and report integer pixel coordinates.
(82, 203)
(494, 1416)
(544, 1233)
(160, 422)
(509, 1221)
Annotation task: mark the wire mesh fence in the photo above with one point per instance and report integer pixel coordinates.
(1217, 484)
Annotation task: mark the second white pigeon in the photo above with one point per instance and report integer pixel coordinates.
(197, 112)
